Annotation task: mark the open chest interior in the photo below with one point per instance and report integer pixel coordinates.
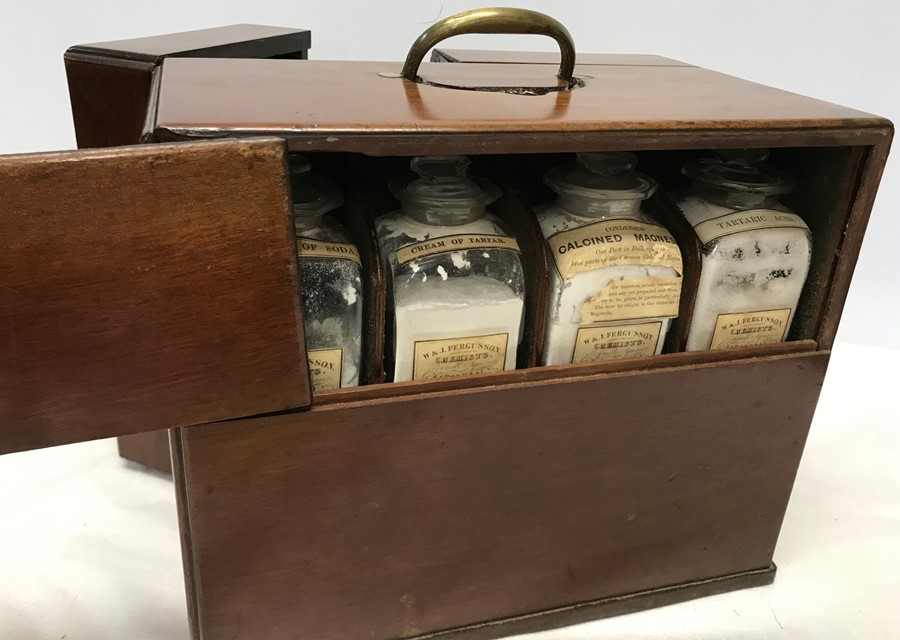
(827, 178)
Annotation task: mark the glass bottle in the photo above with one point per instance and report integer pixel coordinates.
(616, 279)
(330, 281)
(756, 252)
(456, 285)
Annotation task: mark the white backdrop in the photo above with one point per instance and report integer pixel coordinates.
(829, 49)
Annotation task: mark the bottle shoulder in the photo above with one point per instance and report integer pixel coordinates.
(327, 229)
(697, 210)
(402, 229)
(763, 234)
(554, 219)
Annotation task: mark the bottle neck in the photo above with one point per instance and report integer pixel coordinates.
(443, 216)
(304, 221)
(735, 199)
(599, 208)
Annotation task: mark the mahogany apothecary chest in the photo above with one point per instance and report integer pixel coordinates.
(485, 505)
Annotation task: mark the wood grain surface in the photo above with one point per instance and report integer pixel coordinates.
(550, 373)
(621, 107)
(150, 449)
(583, 612)
(110, 82)
(110, 89)
(109, 101)
(828, 181)
(146, 288)
(403, 517)
(863, 199)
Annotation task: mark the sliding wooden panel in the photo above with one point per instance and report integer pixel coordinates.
(145, 288)
(110, 90)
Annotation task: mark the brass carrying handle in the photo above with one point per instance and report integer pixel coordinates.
(493, 20)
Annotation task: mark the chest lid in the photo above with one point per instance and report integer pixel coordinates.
(413, 108)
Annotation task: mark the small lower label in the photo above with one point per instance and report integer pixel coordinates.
(325, 368)
(459, 356)
(750, 328)
(616, 342)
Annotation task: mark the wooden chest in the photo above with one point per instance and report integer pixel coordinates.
(486, 505)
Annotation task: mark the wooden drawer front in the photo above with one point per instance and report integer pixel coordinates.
(400, 517)
(145, 288)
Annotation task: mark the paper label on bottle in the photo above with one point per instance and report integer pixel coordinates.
(620, 241)
(752, 220)
(325, 368)
(308, 248)
(459, 242)
(615, 342)
(459, 356)
(633, 300)
(750, 328)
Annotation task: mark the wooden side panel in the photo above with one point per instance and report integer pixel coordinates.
(149, 449)
(187, 554)
(109, 102)
(608, 607)
(146, 288)
(440, 510)
(861, 209)
(828, 182)
(110, 82)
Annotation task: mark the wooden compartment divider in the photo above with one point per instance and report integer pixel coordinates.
(360, 221)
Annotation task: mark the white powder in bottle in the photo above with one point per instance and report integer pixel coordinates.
(756, 252)
(330, 273)
(455, 312)
(454, 308)
(602, 196)
(331, 333)
(758, 270)
(567, 297)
